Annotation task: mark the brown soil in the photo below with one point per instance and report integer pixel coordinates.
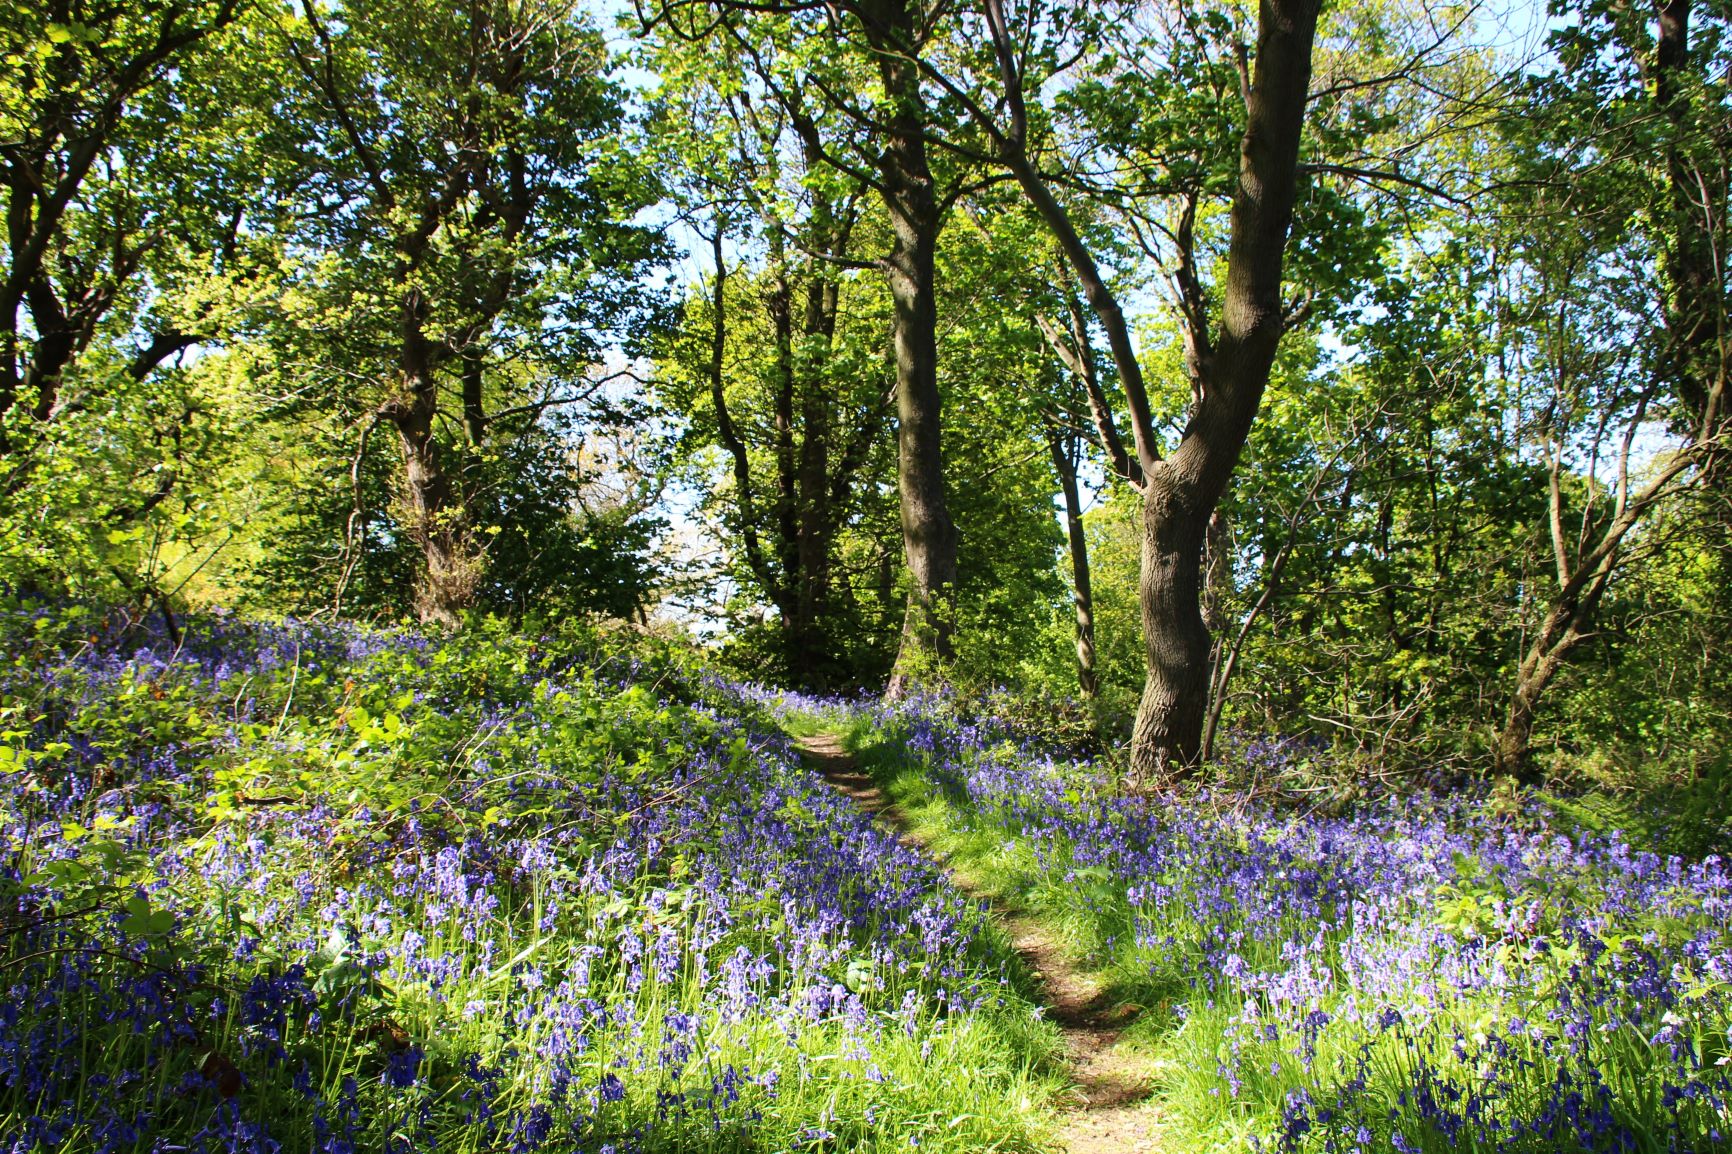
(1109, 1112)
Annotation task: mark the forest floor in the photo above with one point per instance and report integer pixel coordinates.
(1110, 1110)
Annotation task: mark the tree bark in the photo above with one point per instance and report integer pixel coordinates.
(1559, 633)
(1168, 733)
(1695, 306)
(1229, 370)
(1181, 492)
(433, 516)
(789, 542)
(808, 657)
(474, 411)
(928, 534)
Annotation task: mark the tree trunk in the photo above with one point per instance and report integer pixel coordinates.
(1181, 492)
(928, 535)
(1082, 592)
(474, 411)
(433, 516)
(1695, 305)
(1229, 369)
(448, 585)
(1168, 734)
(1558, 634)
(809, 658)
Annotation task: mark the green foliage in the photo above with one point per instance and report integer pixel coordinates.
(260, 825)
(1462, 1004)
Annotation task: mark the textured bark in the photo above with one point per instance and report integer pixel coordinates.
(1229, 369)
(1167, 736)
(1695, 306)
(928, 534)
(1558, 635)
(432, 513)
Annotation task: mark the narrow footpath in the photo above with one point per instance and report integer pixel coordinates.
(1109, 1114)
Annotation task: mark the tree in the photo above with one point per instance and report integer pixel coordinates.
(780, 371)
(883, 146)
(82, 150)
(140, 221)
(1065, 444)
(780, 365)
(1081, 406)
(1628, 324)
(471, 214)
(1228, 362)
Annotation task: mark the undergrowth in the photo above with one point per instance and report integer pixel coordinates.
(1425, 974)
(293, 887)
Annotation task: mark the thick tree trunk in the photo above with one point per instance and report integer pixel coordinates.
(1181, 492)
(432, 513)
(809, 658)
(928, 535)
(448, 585)
(1082, 586)
(1229, 369)
(1168, 734)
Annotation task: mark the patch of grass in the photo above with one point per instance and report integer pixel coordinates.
(1089, 918)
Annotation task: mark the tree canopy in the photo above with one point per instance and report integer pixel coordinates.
(1348, 374)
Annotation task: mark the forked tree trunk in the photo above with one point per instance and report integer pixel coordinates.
(1229, 369)
(1693, 364)
(1180, 493)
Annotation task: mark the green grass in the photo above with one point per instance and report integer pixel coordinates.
(1237, 1069)
(1007, 869)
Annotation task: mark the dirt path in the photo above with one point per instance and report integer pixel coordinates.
(1109, 1114)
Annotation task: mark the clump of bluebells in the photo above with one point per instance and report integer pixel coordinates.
(1424, 974)
(295, 887)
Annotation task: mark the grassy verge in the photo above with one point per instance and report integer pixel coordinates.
(1092, 924)
(1427, 975)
